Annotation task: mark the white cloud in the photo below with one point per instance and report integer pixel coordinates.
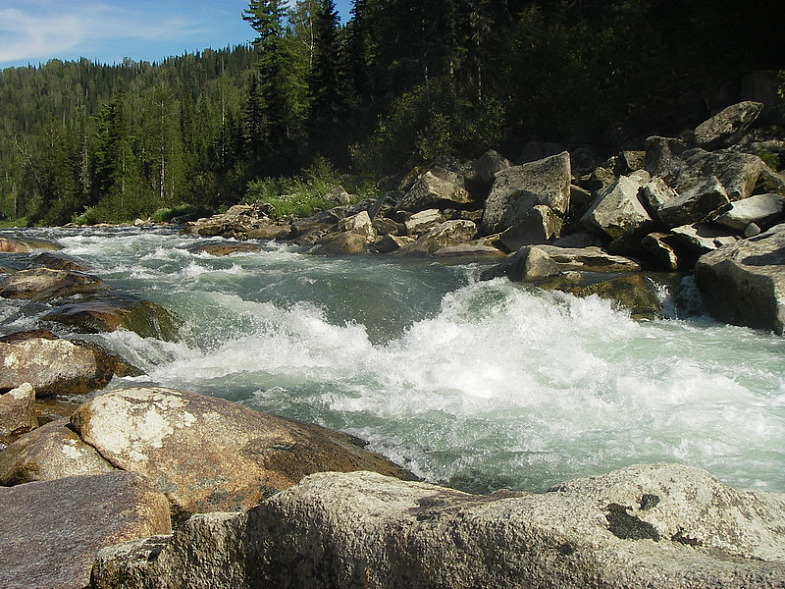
(41, 29)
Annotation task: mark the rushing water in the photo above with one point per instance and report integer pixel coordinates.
(480, 385)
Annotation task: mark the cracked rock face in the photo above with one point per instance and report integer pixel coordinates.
(653, 526)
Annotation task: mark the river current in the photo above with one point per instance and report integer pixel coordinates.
(478, 385)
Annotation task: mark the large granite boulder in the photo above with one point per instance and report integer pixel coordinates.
(53, 451)
(208, 454)
(529, 264)
(654, 527)
(488, 165)
(342, 244)
(727, 126)
(618, 211)
(51, 531)
(695, 204)
(436, 188)
(744, 283)
(589, 259)
(761, 209)
(539, 225)
(738, 173)
(423, 221)
(519, 188)
(53, 366)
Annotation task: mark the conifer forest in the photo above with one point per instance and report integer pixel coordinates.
(399, 84)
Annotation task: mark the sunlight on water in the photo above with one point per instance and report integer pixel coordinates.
(480, 385)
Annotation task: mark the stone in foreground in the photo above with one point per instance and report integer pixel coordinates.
(653, 526)
(51, 531)
(208, 454)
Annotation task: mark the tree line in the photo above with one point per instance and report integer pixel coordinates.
(401, 83)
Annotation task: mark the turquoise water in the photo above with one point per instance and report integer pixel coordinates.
(480, 385)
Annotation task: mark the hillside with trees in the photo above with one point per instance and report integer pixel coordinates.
(401, 83)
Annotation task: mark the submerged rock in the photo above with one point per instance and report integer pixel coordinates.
(224, 249)
(45, 284)
(744, 283)
(658, 526)
(23, 246)
(51, 531)
(208, 454)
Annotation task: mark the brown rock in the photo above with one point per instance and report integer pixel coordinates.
(224, 249)
(16, 412)
(52, 365)
(51, 452)
(51, 531)
(208, 454)
(43, 284)
(17, 246)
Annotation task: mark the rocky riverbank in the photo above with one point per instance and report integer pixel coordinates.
(154, 487)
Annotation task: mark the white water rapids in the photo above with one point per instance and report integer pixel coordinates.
(480, 385)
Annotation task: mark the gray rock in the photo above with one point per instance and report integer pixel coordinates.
(655, 527)
(692, 241)
(360, 223)
(341, 244)
(225, 248)
(738, 173)
(51, 531)
(447, 234)
(663, 157)
(694, 205)
(539, 225)
(424, 221)
(519, 188)
(51, 365)
(618, 211)
(16, 412)
(727, 126)
(760, 209)
(529, 264)
(662, 253)
(208, 454)
(744, 283)
(589, 259)
(436, 188)
(51, 452)
(655, 194)
(634, 293)
(390, 243)
(488, 165)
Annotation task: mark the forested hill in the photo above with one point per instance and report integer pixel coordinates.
(402, 82)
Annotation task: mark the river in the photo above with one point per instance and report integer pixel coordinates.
(478, 385)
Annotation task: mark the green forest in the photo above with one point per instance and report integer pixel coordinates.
(400, 84)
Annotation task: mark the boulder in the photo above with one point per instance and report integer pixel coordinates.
(727, 126)
(436, 188)
(692, 241)
(488, 165)
(18, 246)
(661, 252)
(51, 531)
(529, 264)
(239, 222)
(269, 231)
(761, 209)
(423, 222)
(744, 283)
(652, 526)
(663, 157)
(519, 188)
(539, 225)
(51, 365)
(46, 284)
(617, 211)
(59, 261)
(694, 205)
(634, 293)
(208, 454)
(339, 195)
(738, 173)
(391, 243)
(589, 259)
(224, 248)
(16, 412)
(341, 244)
(655, 194)
(360, 223)
(112, 311)
(447, 234)
(51, 452)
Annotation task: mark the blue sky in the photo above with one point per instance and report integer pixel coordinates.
(35, 31)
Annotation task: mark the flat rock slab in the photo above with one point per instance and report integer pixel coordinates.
(208, 454)
(51, 531)
(589, 259)
(650, 526)
(744, 283)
